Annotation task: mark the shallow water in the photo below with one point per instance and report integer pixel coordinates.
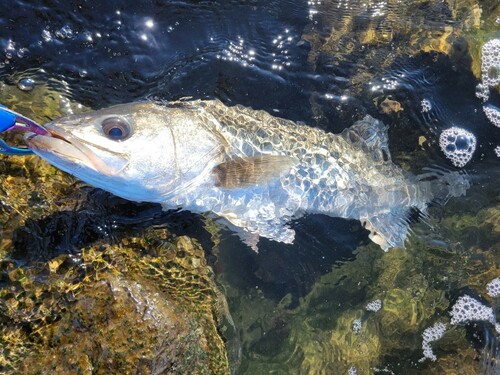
(414, 65)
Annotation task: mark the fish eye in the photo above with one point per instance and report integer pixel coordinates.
(116, 128)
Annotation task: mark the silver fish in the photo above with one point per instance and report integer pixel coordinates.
(252, 169)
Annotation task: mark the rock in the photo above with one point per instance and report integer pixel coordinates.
(365, 38)
(119, 311)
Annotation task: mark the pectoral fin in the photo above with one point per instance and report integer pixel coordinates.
(371, 136)
(243, 172)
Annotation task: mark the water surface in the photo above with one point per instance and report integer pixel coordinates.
(300, 308)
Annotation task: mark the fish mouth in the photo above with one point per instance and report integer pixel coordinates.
(65, 147)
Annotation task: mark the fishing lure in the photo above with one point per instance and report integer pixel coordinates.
(10, 120)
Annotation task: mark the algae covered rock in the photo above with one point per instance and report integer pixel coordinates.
(335, 329)
(357, 38)
(29, 187)
(133, 307)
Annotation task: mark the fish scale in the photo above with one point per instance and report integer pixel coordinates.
(254, 171)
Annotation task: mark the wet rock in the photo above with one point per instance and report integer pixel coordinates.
(389, 106)
(120, 310)
(364, 38)
(415, 286)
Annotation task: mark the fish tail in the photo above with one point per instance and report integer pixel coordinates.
(391, 228)
(439, 184)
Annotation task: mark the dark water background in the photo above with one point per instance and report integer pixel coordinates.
(242, 52)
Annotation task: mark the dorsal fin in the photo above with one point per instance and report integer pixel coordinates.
(370, 135)
(242, 172)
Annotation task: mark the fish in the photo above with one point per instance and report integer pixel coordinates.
(252, 171)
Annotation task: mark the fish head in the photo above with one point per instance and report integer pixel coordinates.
(140, 151)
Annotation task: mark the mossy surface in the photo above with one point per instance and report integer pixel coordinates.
(138, 306)
(417, 287)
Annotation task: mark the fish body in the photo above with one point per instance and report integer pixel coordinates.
(252, 169)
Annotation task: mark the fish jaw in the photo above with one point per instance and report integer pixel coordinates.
(67, 152)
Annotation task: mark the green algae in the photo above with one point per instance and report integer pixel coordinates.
(126, 308)
(415, 287)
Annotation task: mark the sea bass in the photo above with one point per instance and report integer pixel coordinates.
(254, 170)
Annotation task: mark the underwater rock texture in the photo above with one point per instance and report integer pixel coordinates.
(331, 331)
(140, 306)
(375, 33)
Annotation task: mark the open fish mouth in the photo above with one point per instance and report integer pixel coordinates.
(65, 147)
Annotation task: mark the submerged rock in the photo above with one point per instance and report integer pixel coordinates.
(374, 33)
(417, 288)
(133, 307)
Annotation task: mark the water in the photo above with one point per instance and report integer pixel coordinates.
(326, 63)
